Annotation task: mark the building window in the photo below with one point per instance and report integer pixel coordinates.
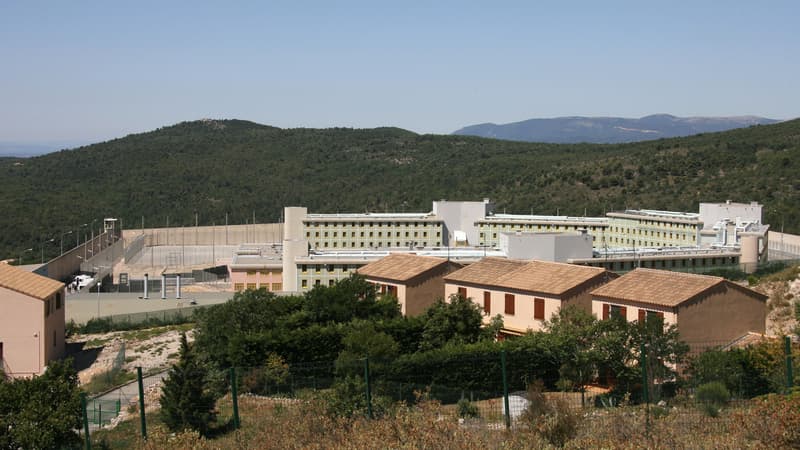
(392, 291)
(331, 282)
(58, 300)
(329, 268)
(251, 286)
(538, 308)
(614, 311)
(54, 338)
(276, 287)
(317, 268)
(304, 268)
(510, 304)
(487, 302)
(238, 287)
(317, 282)
(304, 284)
(462, 291)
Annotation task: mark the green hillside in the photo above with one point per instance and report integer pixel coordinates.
(239, 167)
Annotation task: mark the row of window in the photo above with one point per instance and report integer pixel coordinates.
(328, 267)
(370, 234)
(362, 244)
(304, 283)
(509, 305)
(665, 264)
(621, 311)
(52, 304)
(546, 226)
(370, 224)
(274, 287)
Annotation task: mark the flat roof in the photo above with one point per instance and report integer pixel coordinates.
(370, 216)
(654, 214)
(529, 218)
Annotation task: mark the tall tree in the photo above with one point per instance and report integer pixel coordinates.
(186, 401)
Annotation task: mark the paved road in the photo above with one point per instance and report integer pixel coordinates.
(125, 394)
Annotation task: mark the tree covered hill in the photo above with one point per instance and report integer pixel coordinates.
(214, 167)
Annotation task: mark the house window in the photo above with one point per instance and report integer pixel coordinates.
(47, 307)
(392, 290)
(645, 315)
(510, 304)
(276, 287)
(238, 287)
(58, 300)
(54, 338)
(462, 291)
(251, 286)
(614, 311)
(538, 308)
(487, 302)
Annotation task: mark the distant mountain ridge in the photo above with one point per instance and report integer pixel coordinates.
(608, 130)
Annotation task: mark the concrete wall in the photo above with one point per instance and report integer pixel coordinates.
(62, 267)
(522, 319)
(209, 235)
(461, 216)
(783, 245)
(423, 291)
(557, 247)
(26, 334)
(711, 213)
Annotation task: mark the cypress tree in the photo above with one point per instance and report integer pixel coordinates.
(186, 403)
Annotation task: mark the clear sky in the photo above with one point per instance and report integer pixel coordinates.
(85, 71)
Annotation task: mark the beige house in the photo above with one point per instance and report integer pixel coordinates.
(31, 321)
(416, 281)
(708, 311)
(525, 293)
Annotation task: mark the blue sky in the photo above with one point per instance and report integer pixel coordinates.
(86, 71)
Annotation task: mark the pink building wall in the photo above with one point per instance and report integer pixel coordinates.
(266, 278)
(27, 336)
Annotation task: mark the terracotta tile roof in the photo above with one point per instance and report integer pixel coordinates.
(400, 267)
(28, 283)
(658, 287)
(485, 271)
(548, 277)
(532, 276)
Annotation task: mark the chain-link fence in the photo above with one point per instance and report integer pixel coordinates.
(708, 395)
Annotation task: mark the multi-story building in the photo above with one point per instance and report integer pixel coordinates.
(490, 228)
(651, 228)
(257, 266)
(373, 230)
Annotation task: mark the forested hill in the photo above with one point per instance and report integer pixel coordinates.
(239, 167)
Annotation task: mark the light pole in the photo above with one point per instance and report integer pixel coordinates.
(62, 240)
(42, 248)
(99, 284)
(22, 253)
(78, 234)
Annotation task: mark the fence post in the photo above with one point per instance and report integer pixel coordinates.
(141, 403)
(789, 370)
(368, 387)
(505, 387)
(645, 386)
(85, 422)
(235, 397)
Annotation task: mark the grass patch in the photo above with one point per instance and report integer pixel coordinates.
(102, 382)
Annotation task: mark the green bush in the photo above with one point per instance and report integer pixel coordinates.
(551, 419)
(467, 409)
(712, 396)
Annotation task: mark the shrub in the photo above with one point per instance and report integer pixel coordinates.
(774, 420)
(712, 396)
(550, 419)
(467, 409)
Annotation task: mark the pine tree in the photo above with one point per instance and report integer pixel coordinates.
(186, 403)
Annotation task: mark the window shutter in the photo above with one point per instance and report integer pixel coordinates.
(487, 302)
(606, 308)
(510, 304)
(623, 311)
(462, 291)
(642, 315)
(660, 314)
(538, 308)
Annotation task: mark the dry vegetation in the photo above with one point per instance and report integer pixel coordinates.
(768, 422)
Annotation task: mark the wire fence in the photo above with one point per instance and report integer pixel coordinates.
(491, 392)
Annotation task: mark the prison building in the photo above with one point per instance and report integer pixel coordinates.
(652, 228)
(492, 227)
(256, 266)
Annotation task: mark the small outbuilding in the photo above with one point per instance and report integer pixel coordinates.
(416, 281)
(31, 321)
(708, 311)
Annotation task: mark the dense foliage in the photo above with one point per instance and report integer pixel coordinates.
(187, 402)
(42, 412)
(241, 168)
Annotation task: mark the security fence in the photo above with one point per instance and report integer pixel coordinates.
(493, 391)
